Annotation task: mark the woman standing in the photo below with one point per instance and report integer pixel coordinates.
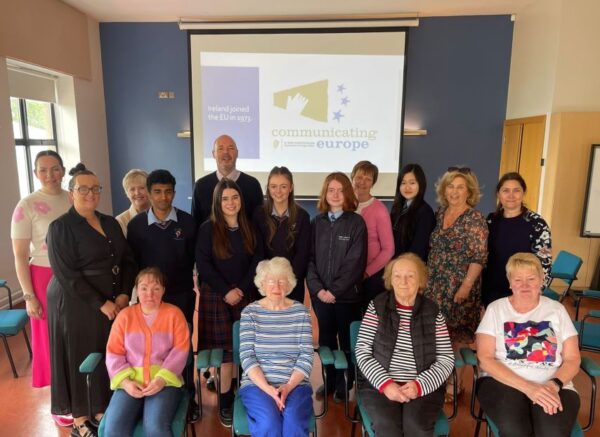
(284, 226)
(134, 184)
(412, 218)
(29, 226)
(94, 272)
(457, 254)
(335, 271)
(380, 240)
(226, 257)
(513, 228)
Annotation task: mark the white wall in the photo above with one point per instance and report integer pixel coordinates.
(577, 70)
(91, 119)
(10, 182)
(534, 57)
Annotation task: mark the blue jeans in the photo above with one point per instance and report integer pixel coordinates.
(157, 412)
(265, 420)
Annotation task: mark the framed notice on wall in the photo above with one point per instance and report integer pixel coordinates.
(590, 224)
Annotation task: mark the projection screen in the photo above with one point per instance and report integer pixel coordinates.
(313, 100)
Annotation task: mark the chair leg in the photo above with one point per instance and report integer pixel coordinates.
(354, 421)
(10, 358)
(478, 425)
(27, 343)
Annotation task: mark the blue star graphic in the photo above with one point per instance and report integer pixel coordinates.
(345, 101)
(338, 115)
(341, 88)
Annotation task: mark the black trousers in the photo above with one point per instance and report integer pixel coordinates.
(516, 416)
(411, 419)
(334, 325)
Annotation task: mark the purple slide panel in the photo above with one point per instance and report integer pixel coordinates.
(230, 106)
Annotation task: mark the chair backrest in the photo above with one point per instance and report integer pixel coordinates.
(236, 342)
(566, 266)
(354, 328)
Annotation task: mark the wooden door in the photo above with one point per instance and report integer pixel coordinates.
(530, 162)
(511, 147)
(522, 148)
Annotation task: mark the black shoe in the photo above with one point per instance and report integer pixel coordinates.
(226, 416)
(210, 384)
(338, 397)
(84, 430)
(194, 415)
(226, 408)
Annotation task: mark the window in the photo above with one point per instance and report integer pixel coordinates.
(34, 127)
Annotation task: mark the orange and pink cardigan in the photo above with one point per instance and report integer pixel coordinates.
(141, 352)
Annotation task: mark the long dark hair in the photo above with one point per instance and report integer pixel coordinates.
(221, 241)
(510, 176)
(292, 209)
(404, 221)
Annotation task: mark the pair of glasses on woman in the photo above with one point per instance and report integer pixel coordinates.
(84, 190)
(463, 170)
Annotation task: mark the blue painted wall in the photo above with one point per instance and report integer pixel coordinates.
(138, 61)
(457, 85)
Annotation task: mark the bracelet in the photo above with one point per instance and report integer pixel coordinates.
(28, 296)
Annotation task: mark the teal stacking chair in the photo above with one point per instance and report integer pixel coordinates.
(589, 332)
(442, 424)
(565, 267)
(239, 424)
(180, 420)
(589, 367)
(11, 322)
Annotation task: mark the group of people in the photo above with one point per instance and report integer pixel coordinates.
(77, 268)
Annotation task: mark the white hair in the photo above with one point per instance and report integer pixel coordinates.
(277, 266)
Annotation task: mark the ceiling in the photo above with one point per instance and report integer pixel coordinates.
(172, 10)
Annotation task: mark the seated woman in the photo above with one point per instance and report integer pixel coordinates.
(528, 355)
(147, 350)
(276, 353)
(403, 353)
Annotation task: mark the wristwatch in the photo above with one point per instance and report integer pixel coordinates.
(557, 382)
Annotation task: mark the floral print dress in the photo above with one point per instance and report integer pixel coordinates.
(451, 251)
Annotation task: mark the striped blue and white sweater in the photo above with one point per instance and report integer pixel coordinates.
(277, 341)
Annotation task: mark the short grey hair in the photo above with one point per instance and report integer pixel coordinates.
(132, 175)
(277, 266)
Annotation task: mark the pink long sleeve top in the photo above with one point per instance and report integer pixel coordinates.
(380, 245)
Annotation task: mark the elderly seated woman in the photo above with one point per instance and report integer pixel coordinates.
(146, 352)
(404, 353)
(528, 355)
(276, 352)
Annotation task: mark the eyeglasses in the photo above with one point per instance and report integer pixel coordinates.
(85, 190)
(280, 282)
(463, 170)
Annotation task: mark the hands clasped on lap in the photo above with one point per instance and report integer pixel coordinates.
(401, 393)
(279, 395)
(546, 396)
(137, 390)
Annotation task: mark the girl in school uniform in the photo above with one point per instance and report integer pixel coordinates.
(227, 253)
(336, 267)
(284, 226)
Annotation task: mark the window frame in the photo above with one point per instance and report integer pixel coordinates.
(28, 142)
